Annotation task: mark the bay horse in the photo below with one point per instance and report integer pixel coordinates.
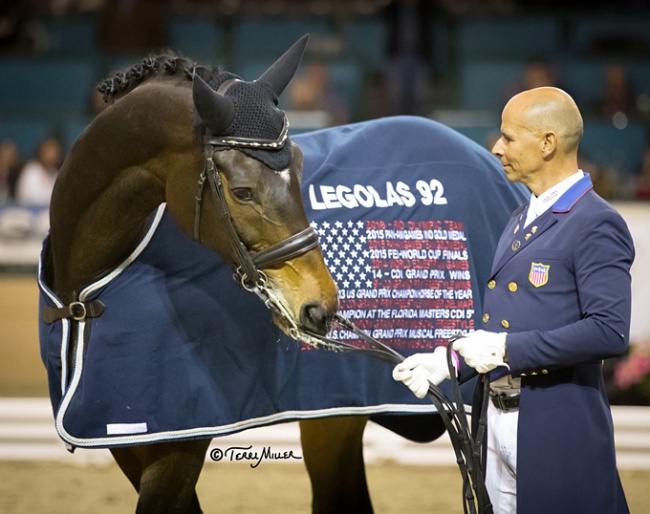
(173, 129)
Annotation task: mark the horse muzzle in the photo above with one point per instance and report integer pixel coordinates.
(314, 317)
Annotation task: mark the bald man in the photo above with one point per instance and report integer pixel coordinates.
(557, 303)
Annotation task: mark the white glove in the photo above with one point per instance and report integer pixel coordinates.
(483, 350)
(419, 369)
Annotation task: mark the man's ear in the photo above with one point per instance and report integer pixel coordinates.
(549, 144)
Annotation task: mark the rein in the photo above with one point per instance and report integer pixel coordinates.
(469, 457)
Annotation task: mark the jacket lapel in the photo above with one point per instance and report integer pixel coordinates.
(513, 226)
(515, 237)
(519, 238)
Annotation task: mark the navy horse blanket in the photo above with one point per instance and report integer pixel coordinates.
(409, 213)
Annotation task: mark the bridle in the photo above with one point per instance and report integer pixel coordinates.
(248, 268)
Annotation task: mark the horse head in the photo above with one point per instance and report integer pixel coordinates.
(142, 151)
(254, 172)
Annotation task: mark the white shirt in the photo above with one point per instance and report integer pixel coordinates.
(542, 203)
(35, 184)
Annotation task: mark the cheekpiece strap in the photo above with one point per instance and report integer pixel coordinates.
(241, 256)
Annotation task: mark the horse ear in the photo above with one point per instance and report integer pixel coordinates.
(215, 110)
(282, 71)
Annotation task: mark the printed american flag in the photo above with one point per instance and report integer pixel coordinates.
(344, 246)
(397, 289)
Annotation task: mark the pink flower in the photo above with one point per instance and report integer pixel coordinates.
(633, 370)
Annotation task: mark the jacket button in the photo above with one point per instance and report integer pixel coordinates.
(544, 372)
(534, 373)
(505, 324)
(512, 286)
(523, 375)
(486, 317)
(492, 284)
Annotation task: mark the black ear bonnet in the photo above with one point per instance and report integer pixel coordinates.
(245, 115)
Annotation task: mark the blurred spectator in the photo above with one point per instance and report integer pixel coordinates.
(313, 90)
(9, 169)
(15, 30)
(376, 100)
(62, 7)
(36, 179)
(619, 96)
(473, 7)
(20, 32)
(133, 26)
(538, 73)
(11, 19)
(409, 65)
(606, 184)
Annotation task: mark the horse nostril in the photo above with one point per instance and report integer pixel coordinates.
(313, 316)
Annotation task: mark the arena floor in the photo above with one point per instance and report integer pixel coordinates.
(56, 488)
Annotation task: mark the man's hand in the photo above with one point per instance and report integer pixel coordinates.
(483, 350)
(419, 369)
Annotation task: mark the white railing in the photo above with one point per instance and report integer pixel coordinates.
(27, 433)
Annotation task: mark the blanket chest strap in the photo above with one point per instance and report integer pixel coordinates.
(77, 311)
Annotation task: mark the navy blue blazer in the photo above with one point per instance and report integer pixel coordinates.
(560, 288)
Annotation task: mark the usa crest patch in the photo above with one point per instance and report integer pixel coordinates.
(538, 275)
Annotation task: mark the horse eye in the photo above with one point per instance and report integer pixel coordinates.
(243, 193)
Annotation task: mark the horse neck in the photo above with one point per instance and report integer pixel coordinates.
(108, 186)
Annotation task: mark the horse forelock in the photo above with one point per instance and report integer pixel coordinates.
(164, 65)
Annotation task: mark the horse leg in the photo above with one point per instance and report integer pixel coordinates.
(164, 474)
(333, 453)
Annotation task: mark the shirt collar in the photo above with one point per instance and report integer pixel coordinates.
(575, 192)
(545, 201)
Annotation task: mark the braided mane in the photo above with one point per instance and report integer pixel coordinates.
(168, 64)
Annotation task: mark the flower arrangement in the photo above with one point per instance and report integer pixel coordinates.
(632, 374)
